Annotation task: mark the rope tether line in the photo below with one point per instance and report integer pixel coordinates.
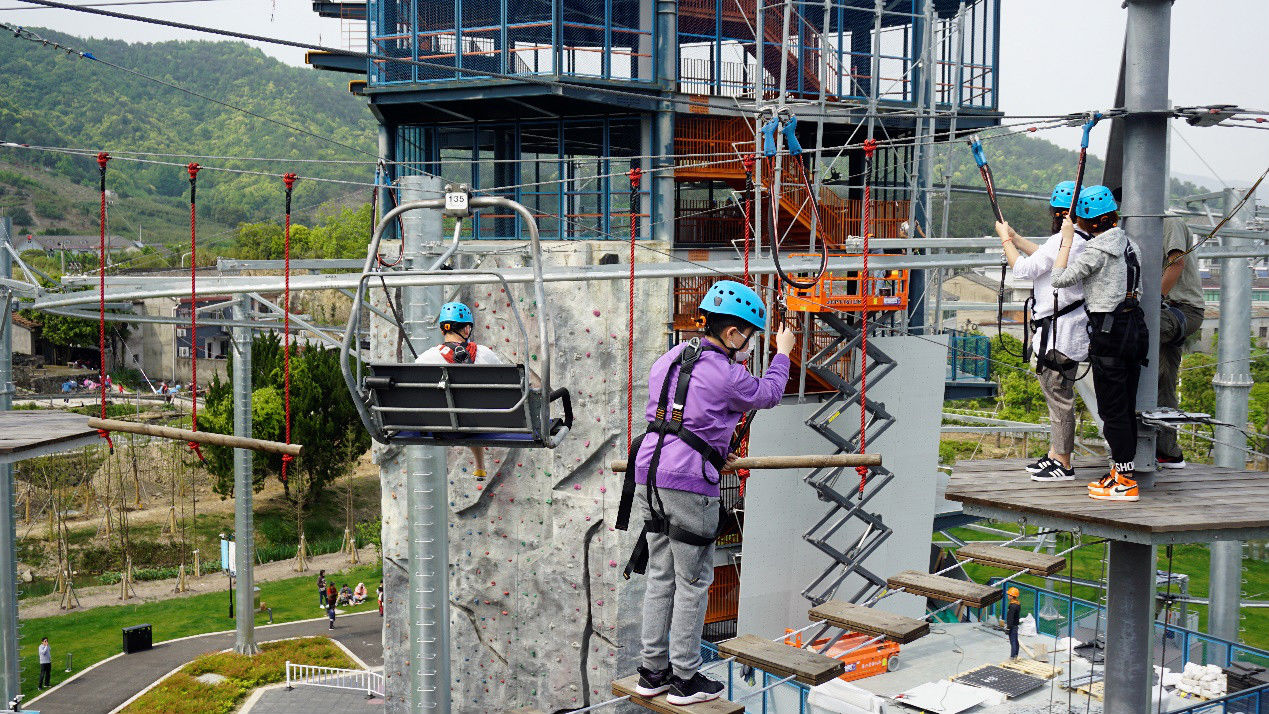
(102, 159)
(288, 180)
(635, 174)
(748, 162)
(865, 288)
(193, 168)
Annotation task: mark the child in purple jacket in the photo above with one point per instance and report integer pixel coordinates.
(676, 464)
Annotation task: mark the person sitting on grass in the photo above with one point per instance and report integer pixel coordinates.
(359, 594)
(345, 595)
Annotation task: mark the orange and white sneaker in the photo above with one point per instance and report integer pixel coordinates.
(1118, 488)
(1102, 482)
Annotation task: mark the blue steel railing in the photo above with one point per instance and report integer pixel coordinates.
(968, 356)
(783, 697)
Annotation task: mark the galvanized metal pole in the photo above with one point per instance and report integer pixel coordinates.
(244, 531)
(1129, 630)
(662, 212)
(1233, 387)
(8, 525)
(426, 477)
(947, 167)
(1146, 46)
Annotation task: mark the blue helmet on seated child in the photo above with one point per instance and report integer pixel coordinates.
(454, 315)
(1095, 201)
(1063, 195)
(728, 297)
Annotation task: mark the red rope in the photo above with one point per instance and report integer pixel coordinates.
(192, 168)
(289, 181)
(102, 159)
(870, 146)
(635, 174)
(748, 163)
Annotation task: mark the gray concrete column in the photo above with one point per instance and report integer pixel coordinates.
(426, 478)
(1233, 387)
(244, 530)
(1146, 47)
(1129, 627)
(8, 526)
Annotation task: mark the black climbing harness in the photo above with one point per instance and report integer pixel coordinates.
(1120, 337)
(668, 421)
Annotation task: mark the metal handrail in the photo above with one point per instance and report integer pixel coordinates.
(539, 295)
(320, 676)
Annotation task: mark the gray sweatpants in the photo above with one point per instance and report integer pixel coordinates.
(1169, 369)
(1059, 394)
(678, 578)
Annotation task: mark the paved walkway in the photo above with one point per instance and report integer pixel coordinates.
(106, 685)
(306, 700)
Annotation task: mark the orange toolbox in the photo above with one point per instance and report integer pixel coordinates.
(872, 659)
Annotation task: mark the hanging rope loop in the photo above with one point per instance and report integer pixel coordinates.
(865, 291)
(192, 169)
(288, 181)
(102, 159)
(636, 177)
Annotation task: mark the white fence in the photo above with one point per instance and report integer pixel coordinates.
(358, 680)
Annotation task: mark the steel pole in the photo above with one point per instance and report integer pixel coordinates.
(1146, 47)
(1233, 387)
(426, 477)
(662, 212)
(244, 530)
(9, 633)
(1129, 627)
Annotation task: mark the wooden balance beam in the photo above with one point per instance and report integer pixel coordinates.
(809, 461)
(200, 437)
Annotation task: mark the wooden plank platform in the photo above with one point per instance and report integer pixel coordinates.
(945, 589)
(1031, 667)
(806, 666)
(1012, 559)
(625, 686)
(1197, 504)
(869, 621)
(27, 433)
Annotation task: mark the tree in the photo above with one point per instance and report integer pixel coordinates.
(321, 412)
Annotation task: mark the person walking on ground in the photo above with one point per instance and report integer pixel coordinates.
(1012, 615)
(321, 588)
(380, 597)
(330, 610)
(46, 664)
(679, 459)
(1062, 342)
(1118, 337)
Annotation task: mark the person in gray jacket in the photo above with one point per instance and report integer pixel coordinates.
(1110, 272)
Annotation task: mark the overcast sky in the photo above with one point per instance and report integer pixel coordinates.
(1218, 56)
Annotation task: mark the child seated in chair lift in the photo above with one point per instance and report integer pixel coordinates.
(697, 392)
(456, 323)
(1110, 272)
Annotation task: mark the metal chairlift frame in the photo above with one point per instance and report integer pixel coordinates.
(544, 430)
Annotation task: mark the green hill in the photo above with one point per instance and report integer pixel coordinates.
(53, 99)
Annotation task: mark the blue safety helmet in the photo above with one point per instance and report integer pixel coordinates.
(1063, 194)
(728, 297)
(1095, 201)
(453, 314)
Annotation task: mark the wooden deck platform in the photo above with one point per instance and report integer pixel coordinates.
(806, 666)
(1012, 559)
(1197, 504)
(625, 687)
(25, 434)
(944, 589)
(869, 621)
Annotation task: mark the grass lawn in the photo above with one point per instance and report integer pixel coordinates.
(1192, 560)
(182, 693)
(93, 635)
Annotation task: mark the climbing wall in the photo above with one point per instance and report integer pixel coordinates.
(539, 609)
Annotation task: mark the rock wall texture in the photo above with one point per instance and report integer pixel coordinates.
(540, 615)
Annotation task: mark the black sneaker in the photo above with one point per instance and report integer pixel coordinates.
(1170, 462)
(693, 691)
(652, 682)
(1054, 472)
(1043, 463)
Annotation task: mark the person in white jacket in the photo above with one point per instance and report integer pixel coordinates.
(457, 322)
(1061, 342)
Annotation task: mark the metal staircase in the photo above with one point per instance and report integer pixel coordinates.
(846, 500)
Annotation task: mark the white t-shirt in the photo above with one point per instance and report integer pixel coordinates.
(484, 355)
(1072, 333)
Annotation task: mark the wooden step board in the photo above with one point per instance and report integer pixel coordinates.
(858, 618)
(1012, 559)
(782, 660)
(626, 686)
(938, 587)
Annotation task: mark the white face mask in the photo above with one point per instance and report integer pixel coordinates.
(744, 351)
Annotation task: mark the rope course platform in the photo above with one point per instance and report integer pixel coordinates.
(943, 588)
(626, 688)
(782, 660)
(27, 434)
(866, 620)
(1196, 504)
(1011, 559)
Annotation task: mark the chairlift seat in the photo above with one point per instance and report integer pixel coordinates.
(464, 405)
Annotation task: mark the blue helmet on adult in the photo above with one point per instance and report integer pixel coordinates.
(1063, 195)
(1095, 201)
(728, 297)
(454, 315)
